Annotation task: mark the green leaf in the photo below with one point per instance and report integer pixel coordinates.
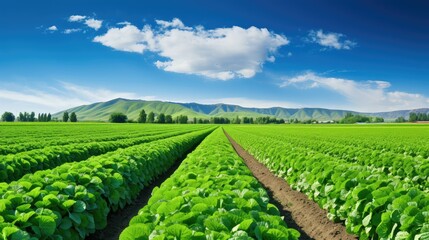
(138, 231)
(200, 208)
(20, 235)
(275, 234)
(23, 207)
(117, 180)
(66, 223)
(367, 220)
(272, 209)
(46, 224)
(79, 206)
(179, 232)
(395, 216)
(383, 229)
(75, 217)
(7, 231)
(214, 224)
(68, 203)
(402, 235)
(247, 225)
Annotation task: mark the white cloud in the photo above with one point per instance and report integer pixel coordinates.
(76, 18)
(128, 38)
(124, 23)
(93, 23)
(330, 40)
(370, 96)
(53, 28)
(65, 95)
(221, 53)
(175, 23)
(90, 22)
(96, 95)
(71, 30)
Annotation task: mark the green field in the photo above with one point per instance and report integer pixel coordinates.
(374, 178)
(62, 180)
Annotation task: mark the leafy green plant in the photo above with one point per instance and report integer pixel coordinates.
(212, 195)
(13, 167)
(372, 202)
(74, 199)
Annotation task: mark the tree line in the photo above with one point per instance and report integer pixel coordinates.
(118, 117)
(41, 117)
(143, 117)
(414, 117)
(351, 118)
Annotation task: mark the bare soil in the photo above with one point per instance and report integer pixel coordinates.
(299, 212)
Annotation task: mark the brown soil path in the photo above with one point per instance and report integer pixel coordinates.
(300, 212)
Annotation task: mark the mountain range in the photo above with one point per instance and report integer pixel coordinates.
(101, 111)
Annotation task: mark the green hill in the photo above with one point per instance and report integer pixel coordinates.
(102, 110)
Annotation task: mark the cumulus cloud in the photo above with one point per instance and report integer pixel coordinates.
(221, 53)
(90, 22)
(362, 95)
(53, 28)
(330, 40)
(128, 38)
(76, 18)
(175, 23)
(93, 23)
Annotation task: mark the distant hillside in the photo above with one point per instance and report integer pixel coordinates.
(396, 114)
(101, 111)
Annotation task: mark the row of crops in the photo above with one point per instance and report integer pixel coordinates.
(374, 179)
(61, 181)
(212, 195)
(65, 190)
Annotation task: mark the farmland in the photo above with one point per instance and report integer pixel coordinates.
(62, 181)
(372, 178)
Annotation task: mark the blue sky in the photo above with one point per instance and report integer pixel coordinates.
(354, 55)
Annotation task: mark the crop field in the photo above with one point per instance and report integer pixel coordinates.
(375, 179)
(63, 181)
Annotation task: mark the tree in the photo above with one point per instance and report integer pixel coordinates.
(65, 116)
(142, 116)
(183, 119)
(422, 117)
(161, 118)
(8, 117)
(32, 117)
(400, 120)
(21, 117)
(237, 120)
(168, 119)
(151, 117)
(195, 120)
(413, 117)
(49, 117)
(118, 118)
(378, 120)
(73, 117)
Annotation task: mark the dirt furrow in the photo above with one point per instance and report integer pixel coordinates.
(119, 220)
(300, 212)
